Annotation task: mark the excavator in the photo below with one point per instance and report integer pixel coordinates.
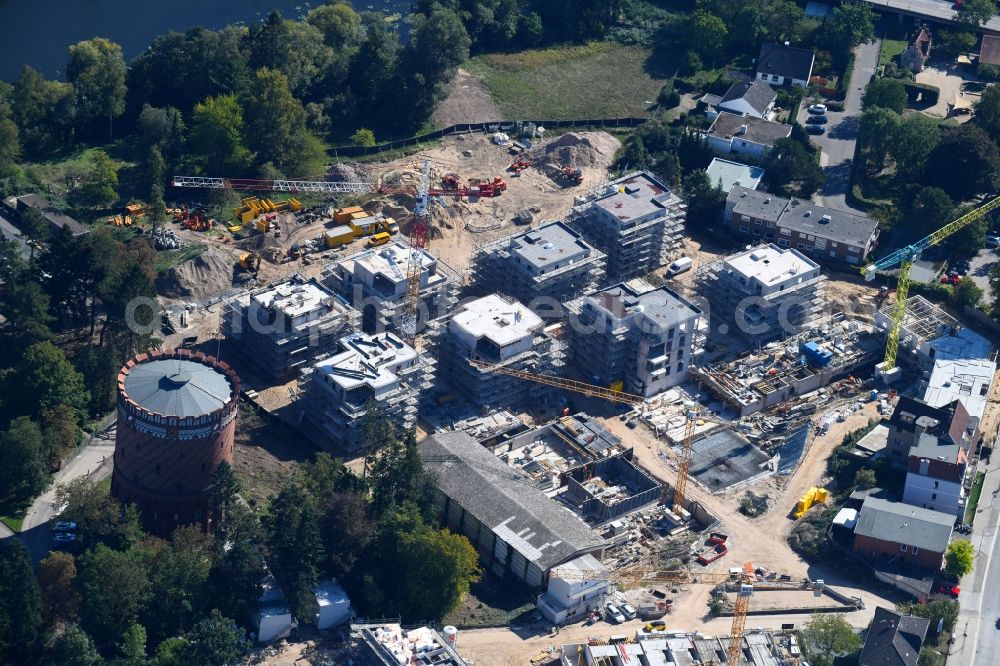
(249, 261)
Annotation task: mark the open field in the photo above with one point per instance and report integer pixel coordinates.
(595, 80)
(890, 49)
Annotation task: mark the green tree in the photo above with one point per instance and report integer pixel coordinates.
(886, 93)
(236, 576)
(74, 647)
(216, 641)
(935, 611)
(217, 135)
(705, 34)
(114, 586)
(974, 13)
(851, 23)
(865, 478)
(10, 139)
(972, 159)
(25, 306)
(225, 491)
(792, 168)
(276, 127)
(297, 49)
(59, 596)
(363, 137)
(966, 293)
(828, 636)
(20, 604)
(987, 113)
(47, 379)
(98, 516)
(397, 475)
(913, 141)
(296, 547)
(878, 126)
(339, 24)
(155, 172)
(438, 43)
(705, 199)
(172, 652)
(45, 113)
(60, 433)
(959, 557)
(100, 185)
(96, 69)
(23, 472)
(954, 42)
(163, 128)
(133, 646)
(440, 567)
(375, 69)
(931, 208)
(347, 532)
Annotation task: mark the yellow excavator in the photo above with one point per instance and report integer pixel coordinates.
(249, 261)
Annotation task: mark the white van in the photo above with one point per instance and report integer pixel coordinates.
(679, 266)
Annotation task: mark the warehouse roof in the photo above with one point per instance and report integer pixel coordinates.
(177, 387)
(831, 224)
(901, 523)
(506, 502)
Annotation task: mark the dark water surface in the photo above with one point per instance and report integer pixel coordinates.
(38, 32)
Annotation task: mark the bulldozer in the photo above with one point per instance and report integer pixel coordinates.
(571, 175)
(249, 261)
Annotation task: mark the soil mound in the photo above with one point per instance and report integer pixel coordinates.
(207, 274)
(579, 150)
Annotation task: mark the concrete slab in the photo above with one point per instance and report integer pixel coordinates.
(723, 459)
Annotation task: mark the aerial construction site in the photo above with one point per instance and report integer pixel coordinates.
(605, 429)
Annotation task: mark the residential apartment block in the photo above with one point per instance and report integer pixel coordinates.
(825, 234)
(636, 221)
(641, 342)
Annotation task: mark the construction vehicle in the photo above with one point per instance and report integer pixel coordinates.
(338, 236)
(518, 166)
(249, 261)
(388, 225)
(904, 258)
(451, 181)
(571, 175)
(381, 238)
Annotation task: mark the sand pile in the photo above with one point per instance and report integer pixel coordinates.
(348, 173)
(579, 150)
(206, 275)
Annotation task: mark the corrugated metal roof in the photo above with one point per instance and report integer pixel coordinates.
(177, 387)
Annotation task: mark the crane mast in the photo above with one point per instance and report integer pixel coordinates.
(904, 258)
(419, 236)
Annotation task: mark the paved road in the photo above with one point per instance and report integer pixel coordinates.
(842, 132)
(979, 271)
(35, 529)
(977, 639)
(940, 10)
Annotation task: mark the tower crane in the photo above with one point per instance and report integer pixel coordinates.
(419, 237)
(273, 185)
(904, 258)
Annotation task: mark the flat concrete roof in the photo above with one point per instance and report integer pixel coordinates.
(636, 195)
(728, 174)
(968, 380)
(293, 297)
(548, 245)
(390, 261)
(661, 305)
(501, 321)
(769, 263)
(367, 360)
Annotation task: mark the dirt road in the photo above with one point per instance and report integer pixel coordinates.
(468, 101)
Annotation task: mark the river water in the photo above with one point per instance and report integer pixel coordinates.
(38, 32)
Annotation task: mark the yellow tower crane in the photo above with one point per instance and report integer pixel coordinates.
(904, 258)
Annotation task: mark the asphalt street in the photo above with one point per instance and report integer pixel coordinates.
(842, 132)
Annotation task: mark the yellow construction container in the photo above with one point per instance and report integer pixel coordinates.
(262, 225)
(365, 226)
(617, 385)
(344, 215)
(338, 236)
(813, 496)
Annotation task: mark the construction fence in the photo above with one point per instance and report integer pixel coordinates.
(493, 126)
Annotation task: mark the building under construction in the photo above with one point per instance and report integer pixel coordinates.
(762, 293)
(497, 330)
(782, 370)
(377, 369)
(281, 328)
(928, 334)
(375, 283)
(636, 220)
(640, 342)
(551, 263)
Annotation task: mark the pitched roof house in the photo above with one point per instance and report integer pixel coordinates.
(889, 532)
(893, 639)
(752, 98)
(781, 64)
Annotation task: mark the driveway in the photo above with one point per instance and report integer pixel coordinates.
(948, 78)
(35, 529)
(837, 145)
(979, 271)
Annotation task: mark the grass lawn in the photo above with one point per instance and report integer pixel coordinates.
(890, 49)
(977, 490)
(493, 602)
(13, 523)
(594, 80)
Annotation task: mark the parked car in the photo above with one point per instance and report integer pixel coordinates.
(949, 589)
(64, 526)
(628, 611)
(992, 240)
(815, 129)
(612, 614)
(817, 120)
(655, 625)
(817, 109)
(62, 539)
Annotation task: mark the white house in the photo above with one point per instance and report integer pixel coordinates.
(732, 134)
(575, 588)
(781, 64)
(752, 98)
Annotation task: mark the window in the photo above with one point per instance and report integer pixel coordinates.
(775, 78)
(914, 550)
(833, 253)
(786, 232)
(756, 222)
(902, 547)
(933, 496)
(783, 242)
(680, 366)
(936, 484)
(745, 218)
(744, 228)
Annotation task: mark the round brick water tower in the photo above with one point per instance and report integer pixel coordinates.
(176, 420)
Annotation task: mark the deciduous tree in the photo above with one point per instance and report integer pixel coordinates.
(217, 134)
(276, 127)
(886, 93)
(973, 13)
(828, 636)
(74, 647)
(96, 69)
(216, 641)
(45, 113)
(23, 472)
(878, 127)
(296, 547)
(20, 604)
(965, 162)
(60, 598)
(114, 585)
(791, 167)
(100, 185)
(913, 141)
(931, 208)
(705, 34)
(958, 559)
(98, 516)
(852, 23)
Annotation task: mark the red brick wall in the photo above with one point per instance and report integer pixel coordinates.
(886, 550)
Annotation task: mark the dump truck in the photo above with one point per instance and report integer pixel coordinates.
(338, 236)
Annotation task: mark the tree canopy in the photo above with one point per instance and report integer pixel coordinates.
(886, 93)
(965, 162)
(96, 69)
(958, 559)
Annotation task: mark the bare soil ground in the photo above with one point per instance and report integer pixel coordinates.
(265, 456)
(468, 101)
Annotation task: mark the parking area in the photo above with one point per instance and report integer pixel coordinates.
(979, 270)
(948, 78)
